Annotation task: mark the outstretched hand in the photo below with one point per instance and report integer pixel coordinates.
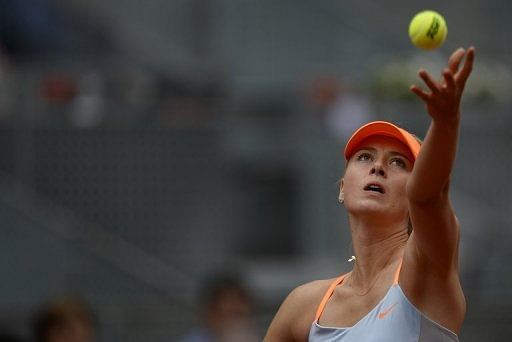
(443, 100)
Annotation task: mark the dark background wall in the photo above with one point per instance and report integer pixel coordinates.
(146, 144)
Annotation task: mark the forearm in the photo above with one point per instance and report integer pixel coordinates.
(431, 174)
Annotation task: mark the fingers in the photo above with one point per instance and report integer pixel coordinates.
(423, 95)
(459, 76)
(434, 87)
(453, 80)
(449, 79)
(467, 68)
(455, 59)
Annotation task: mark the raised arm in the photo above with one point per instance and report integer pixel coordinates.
(429, 276)
(432, 170)
(436, 231)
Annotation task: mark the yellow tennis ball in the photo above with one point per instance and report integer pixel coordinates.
(428, 30)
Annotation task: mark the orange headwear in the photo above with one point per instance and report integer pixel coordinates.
(382, 128)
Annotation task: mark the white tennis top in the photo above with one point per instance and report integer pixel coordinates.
(395, 319)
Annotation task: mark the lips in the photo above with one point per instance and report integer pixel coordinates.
(376, 187)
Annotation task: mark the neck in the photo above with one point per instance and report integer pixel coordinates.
(377, 245)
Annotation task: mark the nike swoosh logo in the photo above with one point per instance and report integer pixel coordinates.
(386, 312)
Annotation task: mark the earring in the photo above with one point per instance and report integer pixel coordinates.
(341, 199)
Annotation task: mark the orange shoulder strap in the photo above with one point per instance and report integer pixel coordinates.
(397, 273)
(328, 295)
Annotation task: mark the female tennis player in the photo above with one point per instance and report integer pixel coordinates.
(404, 285)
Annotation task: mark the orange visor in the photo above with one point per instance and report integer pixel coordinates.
(382, 128)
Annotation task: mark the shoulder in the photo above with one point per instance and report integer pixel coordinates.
(310, 293)
(297, 312)
(302, 302)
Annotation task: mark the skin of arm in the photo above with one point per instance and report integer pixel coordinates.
(429, 275)
(436, 230)
(293, 320)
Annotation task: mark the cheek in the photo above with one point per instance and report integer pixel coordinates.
(349, 182)
(353, 174)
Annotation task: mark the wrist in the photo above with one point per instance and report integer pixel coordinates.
(447, 120)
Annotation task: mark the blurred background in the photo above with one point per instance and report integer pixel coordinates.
(148, 147)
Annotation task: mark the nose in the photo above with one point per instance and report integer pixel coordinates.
(378, 170)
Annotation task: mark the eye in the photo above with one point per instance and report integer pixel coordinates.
(364, 156)
(398, 162)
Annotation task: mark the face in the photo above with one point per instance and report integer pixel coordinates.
(230, 312)
(376, 176)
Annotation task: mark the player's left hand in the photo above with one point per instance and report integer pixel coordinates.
(443, 100)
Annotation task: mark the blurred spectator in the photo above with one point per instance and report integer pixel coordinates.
(349, 111)
(341, 109)
(227, 312)
(65, 319)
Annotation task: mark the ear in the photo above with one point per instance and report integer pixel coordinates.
(341, 195)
